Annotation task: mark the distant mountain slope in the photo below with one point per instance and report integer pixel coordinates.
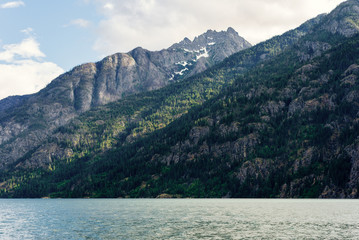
(26, 122)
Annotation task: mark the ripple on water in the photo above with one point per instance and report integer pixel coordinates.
(178, 219)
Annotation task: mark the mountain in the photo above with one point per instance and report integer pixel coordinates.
(276, 120)
(27, 121)
(193, 92)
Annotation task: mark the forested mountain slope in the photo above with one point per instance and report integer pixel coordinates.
(283, 128)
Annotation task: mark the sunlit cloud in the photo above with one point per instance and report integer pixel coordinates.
(28, 48)
(108, 6)
(27, 76)
(22, 68)
(13, 4)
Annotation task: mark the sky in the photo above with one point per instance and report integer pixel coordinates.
(41, 39)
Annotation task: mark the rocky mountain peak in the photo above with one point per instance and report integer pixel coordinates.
(212, 37)
(186, 41)
(212, 46)
(231, 30)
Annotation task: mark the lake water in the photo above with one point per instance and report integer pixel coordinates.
(178, 219)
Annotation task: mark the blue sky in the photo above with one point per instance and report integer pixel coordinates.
(40, 39)
(63, 42)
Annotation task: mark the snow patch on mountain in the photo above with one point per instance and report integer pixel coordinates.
(181, 72)
(203, 53)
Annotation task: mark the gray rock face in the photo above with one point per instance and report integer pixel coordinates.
(257, 168)
(344, 20)
(314, 49)
(353, 152)
(11, 102)
(218, 45)
(25, 121)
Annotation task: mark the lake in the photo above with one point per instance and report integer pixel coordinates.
(178, 219)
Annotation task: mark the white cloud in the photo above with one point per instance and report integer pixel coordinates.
(108, 6)
(156, 24)
(28, 48)
(79, 23)
(13, 4)
(22, 69)
(25, 77)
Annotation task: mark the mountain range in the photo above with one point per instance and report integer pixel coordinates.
(212, 117)
(26, 121)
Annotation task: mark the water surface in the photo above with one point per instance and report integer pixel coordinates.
(178, 219)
